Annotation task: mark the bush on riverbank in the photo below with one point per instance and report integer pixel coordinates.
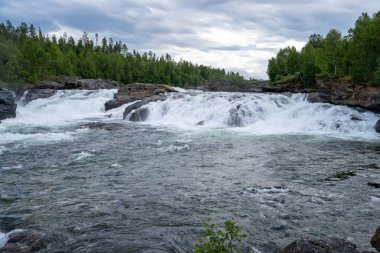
(220, 241)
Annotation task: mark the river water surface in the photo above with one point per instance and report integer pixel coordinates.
(279, 166)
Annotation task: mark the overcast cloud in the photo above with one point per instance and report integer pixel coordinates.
(238, 35)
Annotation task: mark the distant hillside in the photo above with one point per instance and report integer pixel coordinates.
(27, 55)
(354, 57)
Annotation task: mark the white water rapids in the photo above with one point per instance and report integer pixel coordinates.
(261, 114)
(44, 120)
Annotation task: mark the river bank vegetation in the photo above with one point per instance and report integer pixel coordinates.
(28, 55)
(355, 56)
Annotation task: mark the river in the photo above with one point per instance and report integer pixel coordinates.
(276, 164)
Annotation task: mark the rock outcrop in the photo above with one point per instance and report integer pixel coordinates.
(136, 91)
(325, 245)
(48, 88)
(341, 92)
(24, 241)
(7, 104)
(70, 83)
(326, 90)
(375, 241)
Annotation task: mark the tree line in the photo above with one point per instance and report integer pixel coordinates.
(355, 56)
(28, 55)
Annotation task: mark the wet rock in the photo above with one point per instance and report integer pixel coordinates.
(324, 245)
(138, 104)
(136, 91)
(25, 241)
(375, 240)
(200, 123)
(72, 82)
(104, 126)
(377, 126)
(232, 86)
(235, 118)
(373, 184)
(7, 104)
(140, 114)
(354, 118)
(34, 94)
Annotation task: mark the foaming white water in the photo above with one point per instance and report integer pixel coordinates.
(2, 150)
(82, 155)
(40, 121)
(64, 107)
(261, 114)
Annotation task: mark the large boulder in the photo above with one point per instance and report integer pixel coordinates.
(375, 241)
(136, 91)
(24, 241)
(377, 126)
(324, 245)
(7, 104)
(140, 114)
(138, 104)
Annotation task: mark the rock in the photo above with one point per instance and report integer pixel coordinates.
(232, 86)
(104, 126)
(324, 245)
(136, 91)
(138, 104)
(140, 114)
(373, 184)
(375, 240)
(377, 126)
(34, 94)
(200, 123)
(72, 82)
(354, 118)
(235, 118)
(7, 104)
(24, 241)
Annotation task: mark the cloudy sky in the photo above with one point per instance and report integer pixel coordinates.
(238, 35)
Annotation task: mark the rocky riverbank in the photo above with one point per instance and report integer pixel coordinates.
(327, 90)
(336, 91)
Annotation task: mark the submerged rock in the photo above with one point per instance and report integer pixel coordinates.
(104, 126)
(324, 245)
(24, 241)
(375, 240)
(377, 126)
(373, 184)
(7, 104)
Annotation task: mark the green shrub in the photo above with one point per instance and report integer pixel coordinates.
(226, 240)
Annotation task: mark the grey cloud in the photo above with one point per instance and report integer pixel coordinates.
(151, 24)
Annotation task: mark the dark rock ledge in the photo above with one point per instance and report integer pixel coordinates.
(7, 104)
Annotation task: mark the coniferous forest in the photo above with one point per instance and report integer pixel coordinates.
(27, 55)
(354, 57)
